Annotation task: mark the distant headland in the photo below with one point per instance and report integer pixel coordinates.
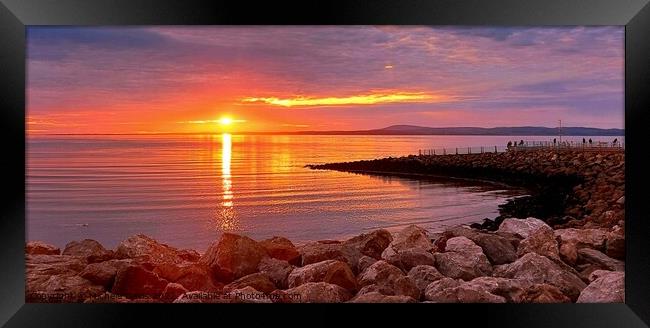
(496, 131)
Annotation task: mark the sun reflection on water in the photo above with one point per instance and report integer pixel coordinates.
(226, 218)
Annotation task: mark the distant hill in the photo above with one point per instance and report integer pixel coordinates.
(497, 131)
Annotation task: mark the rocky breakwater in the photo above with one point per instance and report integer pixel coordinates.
(567, 188)
(524, 261)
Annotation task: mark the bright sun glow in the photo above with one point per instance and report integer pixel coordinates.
(225, 121)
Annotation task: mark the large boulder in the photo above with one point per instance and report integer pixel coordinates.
(197, 277)
(406, 259)
(329, 271)
(521, 227)
(103, 273)
(319, 292)
(370, 244)
(519, 291)
(535, 268)
(41, 248)
(134, 281)
(389, 280)
(423, 275)
(463, 259)
(542, 241)
(233, 257)
(192, 276)
(582, 238)
(258, 281)
(50, 265)
(277, 271)
(447, 290)
(573, 239)
(411, 237)
(39, 269)
(314, 252)
(282, 249)
(498, 249)
(608, 288)
(376, 297)
(89, 249)
(600, 260)
(511, 289)
(146, 249)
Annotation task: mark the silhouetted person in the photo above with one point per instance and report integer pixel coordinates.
(584, 141)
(554, 141)
(521, 142)
(509, 144)
(615, 141)
(590, 142)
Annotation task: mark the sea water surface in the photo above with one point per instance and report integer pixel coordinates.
(185, 190)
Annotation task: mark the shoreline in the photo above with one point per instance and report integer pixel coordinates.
(560, 184)
(519, 259)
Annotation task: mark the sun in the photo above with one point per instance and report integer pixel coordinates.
(225, 121)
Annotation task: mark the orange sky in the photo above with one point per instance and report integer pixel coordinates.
(185, 79)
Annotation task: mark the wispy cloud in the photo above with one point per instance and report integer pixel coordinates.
(367, 99)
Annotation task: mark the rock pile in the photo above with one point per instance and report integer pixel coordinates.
(525, 261)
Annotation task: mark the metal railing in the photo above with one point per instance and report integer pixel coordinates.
(525, 146)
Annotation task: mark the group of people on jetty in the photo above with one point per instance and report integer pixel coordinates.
(512, 144)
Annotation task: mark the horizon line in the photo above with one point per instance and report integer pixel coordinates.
(376, 131)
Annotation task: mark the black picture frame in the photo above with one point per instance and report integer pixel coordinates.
(15, 15)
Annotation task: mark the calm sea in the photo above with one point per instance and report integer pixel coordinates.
(185, 190)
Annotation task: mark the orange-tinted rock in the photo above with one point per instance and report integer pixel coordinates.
(41, 248)
(193, 276)
(389, 280)
(233, 257)
(89, 249)
(135, 282)
(318, 251)
(258, 281)
(329, 271)
(370, 244)
(462, 259)
(146, 249)
(103, 273)
(535, 268)
(277, 270)
(282, 249)
(607, 288)
(447, 290)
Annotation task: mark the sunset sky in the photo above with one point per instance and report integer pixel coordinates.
(188, 79)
